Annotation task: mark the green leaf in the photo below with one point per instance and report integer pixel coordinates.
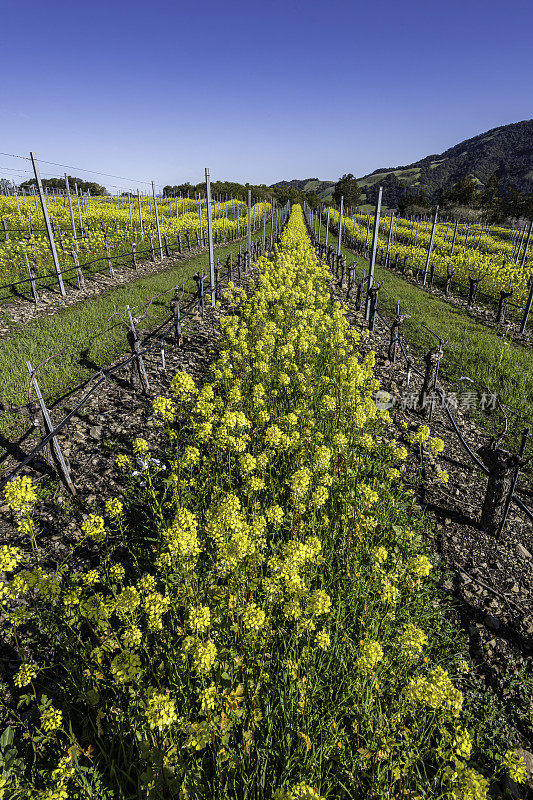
(7, 737)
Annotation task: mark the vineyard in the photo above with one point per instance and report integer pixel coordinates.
(257, 613)
(493, 262)
(105, 233)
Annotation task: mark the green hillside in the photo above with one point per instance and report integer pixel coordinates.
(324, 189)
(506, 151)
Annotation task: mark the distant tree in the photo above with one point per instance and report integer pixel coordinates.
(414, 203)
(492, 191)
(59, 183)
(394, 191)
(312, 199)
(348, 188)
(463, 193)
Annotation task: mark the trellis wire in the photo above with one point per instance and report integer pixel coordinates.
(104, 374)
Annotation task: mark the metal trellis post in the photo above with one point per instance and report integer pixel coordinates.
(340, 226)
(430, 248)
(210, 237)
(67, 187)
(47, 224)
(375, 235)
(157, 223)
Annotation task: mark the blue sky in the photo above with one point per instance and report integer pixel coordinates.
(258, 92)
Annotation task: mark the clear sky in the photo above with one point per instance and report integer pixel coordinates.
(257, 91)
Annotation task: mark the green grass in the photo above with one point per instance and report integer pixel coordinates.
(472, 350)
(92, 257)
(89, 352)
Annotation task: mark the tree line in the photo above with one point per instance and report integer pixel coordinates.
(496, 201)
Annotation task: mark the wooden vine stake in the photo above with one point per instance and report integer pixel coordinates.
(426, 396)
(139, 378)
(46, 428)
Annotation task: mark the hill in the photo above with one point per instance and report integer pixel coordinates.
(324, 189)
(507, 151)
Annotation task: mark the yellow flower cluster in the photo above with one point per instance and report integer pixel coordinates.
(371, 655)
(380, 554)
(412, 641)
(199, 619)
(182, 386)
(515, 766)
(20, 494)
(51, 719)
(420, 566)
(10, 558)
(160, 710)
(25, 674)
(181, 536)
(140, 446)
(435, 691)
(126, 666)
(253, 617)
(114, 508)
(122, 461)
(301, 791)
(323, 640)
(155, 605)
(93, 526)
(164, 410)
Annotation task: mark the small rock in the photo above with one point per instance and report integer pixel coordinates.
(515, 588)
(492, 622)
(527, 623)
(521, 550)
(95, 432)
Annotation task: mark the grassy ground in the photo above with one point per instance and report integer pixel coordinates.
(487, 358)
(92, 260)
(89, 349)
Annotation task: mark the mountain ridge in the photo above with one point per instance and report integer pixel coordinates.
(506, 150)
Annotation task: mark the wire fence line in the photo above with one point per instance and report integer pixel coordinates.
(380, 259)
(501, 467)
(170, 251)
(135, 360)
(500, 302)
(104, 329)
